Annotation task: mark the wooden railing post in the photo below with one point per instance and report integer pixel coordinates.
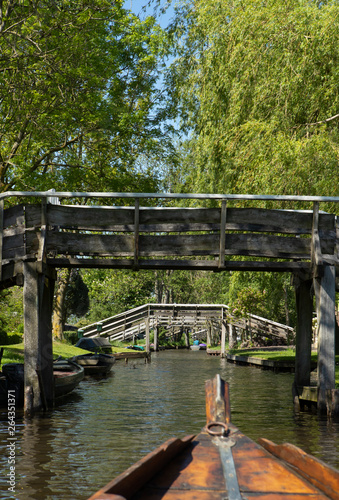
(304, 307)
(222, 234)
(38, 300)
(325, 290)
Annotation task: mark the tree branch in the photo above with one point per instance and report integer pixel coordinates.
(53, 150)
(323, 121)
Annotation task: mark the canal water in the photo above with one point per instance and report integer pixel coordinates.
(108, 424)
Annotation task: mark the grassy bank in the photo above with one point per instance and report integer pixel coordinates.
(285, 355)
(15, 353)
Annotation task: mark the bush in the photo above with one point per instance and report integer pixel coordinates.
(71, 336)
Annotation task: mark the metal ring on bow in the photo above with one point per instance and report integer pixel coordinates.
(220, 432)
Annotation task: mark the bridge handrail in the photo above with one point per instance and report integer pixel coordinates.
(191, 196)
(140, 313)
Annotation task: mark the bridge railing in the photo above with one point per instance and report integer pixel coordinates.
(166, 237)
(126, 325)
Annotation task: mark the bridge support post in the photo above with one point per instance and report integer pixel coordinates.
(156, 337)
(223, 339)
(209, 335)
(325, 294)
(38, 305)
(148, 346)
(232, 335)
(304, 306)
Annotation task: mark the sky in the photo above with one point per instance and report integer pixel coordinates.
(136, 6)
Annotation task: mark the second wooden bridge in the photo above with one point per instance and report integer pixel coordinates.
(178, 318)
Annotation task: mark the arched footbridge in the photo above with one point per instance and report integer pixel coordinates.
(202, 320)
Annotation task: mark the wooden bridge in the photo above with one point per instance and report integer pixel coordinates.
(39, 235)
(215, 320)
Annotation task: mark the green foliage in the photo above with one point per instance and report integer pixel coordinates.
(191, 287)
(71, 336)
(256, 85)
(78, 96)
(77, 299)
(114, 291)
(11, 315)
(269, 295)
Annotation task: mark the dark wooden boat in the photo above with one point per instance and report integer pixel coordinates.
(222, 463)
(95, 344)
(67, 376)
(95, 364)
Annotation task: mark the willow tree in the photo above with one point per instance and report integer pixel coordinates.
(255, 89)
(256, 86)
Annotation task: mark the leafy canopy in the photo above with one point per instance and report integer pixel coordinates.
(78, 94)
(256, 86)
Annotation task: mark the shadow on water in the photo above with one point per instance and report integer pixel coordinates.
(108, 424)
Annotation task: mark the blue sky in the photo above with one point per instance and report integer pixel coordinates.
(136, 6)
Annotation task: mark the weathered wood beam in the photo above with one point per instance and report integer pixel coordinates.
(207, 265)
(43, 232)
(304, 307)
(316, 257)
(136, 234)
(325, 300)
(223, 339)
(38, 351)
(178, 219)
(251, 245)
(222, 235)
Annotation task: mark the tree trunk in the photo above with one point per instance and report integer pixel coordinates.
(58, 314)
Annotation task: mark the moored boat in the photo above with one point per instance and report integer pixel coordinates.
(95, 344)
(67, 376)
(95, 364)
(222, 463)
(195, 347)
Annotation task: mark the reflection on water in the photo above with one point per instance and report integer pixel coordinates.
(109, 424)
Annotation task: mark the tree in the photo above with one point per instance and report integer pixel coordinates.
(78, 95)
(78, 100)
(114, 291)
(255, 84)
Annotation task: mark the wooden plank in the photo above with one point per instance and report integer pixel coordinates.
(32, 216)
(43, 231)
(316, 257)
(13, 246)
(180, 219)
(174, 245)
(14, 216)
(136, 233)
(130, 481)
(206, 265)
(318, 473)
(222, 234)
(90, 218)
(326, 336)
(264, 477)
(10, 272)
(304, 308)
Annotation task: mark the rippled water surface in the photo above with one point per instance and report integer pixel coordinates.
(106, 425)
